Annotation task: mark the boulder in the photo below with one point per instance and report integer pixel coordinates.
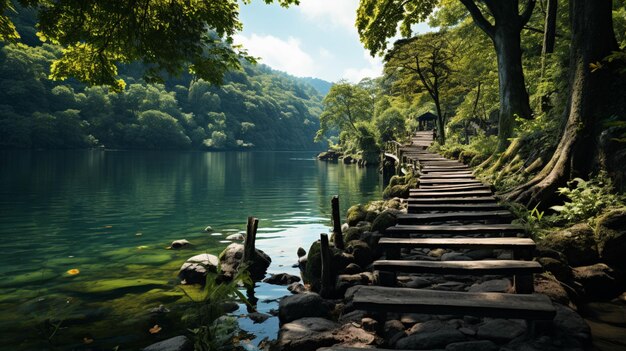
(296, 288)
(479, 345)
(560, 270)
(329, 155)
(353, 268)
(384, 220)
(356, 214)
(281, 279)
(313, 271)
(599, 281)
(353, 233)
(569, 324)
(548, 285)
(195, 269)
(236, 236)
(611, 237)
(500, 330)
(301, 252)
(258, 317)
(363, 255)
(455, 256)
(299, 306)
(231, 257)
(392, 327)
(177, 343)
(180, 244)
(577, 243)
(306, 334)
(430, 340)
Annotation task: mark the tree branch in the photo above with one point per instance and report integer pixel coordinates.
(528, 11)
(479, 19)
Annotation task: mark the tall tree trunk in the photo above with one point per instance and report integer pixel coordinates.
(513, 95)
(576, 154)
(549, 32)
(441, 133)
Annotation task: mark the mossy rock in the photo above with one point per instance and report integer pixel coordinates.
(356, 214)
(560, 270)
(611, 237)
(313, 272)
(577, 243)
(363, 255)
(384, 220)
(396, 191)
(396, 180)
(371, 216)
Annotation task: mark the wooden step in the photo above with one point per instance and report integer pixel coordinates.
(516, 244)
(452, 187)
(456, 193)
(444, 176)
(496, 305)
(450, 200)
(432, 181)
(490, 206)
(401, 230)
(444, 169)
(496, 267)
(501, 215)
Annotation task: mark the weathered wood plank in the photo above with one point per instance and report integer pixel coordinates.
(503, 267)
(450, 200)
(497, 305)
(444, 176)
(503, 215)
(444, 194)
(401, 230)
(460, 243)
(491, 206)
(429, 181)
(453, 187)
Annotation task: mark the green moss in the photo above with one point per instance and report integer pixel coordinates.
(384, 220)
(115, 285)
(356, 214)
(18, 279)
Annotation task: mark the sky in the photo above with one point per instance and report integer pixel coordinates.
(315, 39)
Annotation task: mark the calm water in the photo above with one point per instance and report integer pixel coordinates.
(111, 214)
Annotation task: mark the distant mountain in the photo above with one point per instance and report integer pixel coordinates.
(320, 85)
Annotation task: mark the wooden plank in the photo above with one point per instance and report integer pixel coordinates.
(452, 187)
(497, 305)
(449, 181)
(427, 169)
(458, 193)
(459, 243)
(503, 215)
(450, 200)
(503, 267)
(454, 207)
(402, 230)
(443, 175)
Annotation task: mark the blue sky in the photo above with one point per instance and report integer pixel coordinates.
(315, 39)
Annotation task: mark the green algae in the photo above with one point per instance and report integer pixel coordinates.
(121, 285)
(17, 279)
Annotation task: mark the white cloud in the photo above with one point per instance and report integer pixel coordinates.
(373, 69)
(325, 54)
(279, 54)
(338, 13)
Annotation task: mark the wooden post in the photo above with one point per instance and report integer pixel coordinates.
(248, 246)
(327, 278)
(337, 223)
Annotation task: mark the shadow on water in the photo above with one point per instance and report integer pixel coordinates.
(110, 216)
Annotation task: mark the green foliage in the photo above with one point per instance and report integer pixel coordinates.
(390, 125)
(587, 198)
(212, 330)
(344, 106)
(99, 37)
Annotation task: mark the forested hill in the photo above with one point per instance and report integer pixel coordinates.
(255, 108)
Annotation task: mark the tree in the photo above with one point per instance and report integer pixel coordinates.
(377, 21)
(168, 36)
(429, 58)
(596, 92)
(344, 106)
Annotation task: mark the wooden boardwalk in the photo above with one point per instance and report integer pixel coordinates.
(451, 209)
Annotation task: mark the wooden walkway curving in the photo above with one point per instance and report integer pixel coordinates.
(451, 209)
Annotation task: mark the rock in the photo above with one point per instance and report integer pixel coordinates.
(194, 270)
(353, 268)
(354, 316)
(577, 243)
(392, 327)
(313, 271)
(467, 331)
(301, 252)
(306, 334)
(418, 282)
(281, 279)
(546, 252)
(430, 340)
(369, 324)
(480, 345)
(356, 214)
(177, 343)
(352, 233)
(599, 281)
(412, 318)
(560, 270)
(454, 256)
(611, 237)
(497, 285)
(479, 254)
(236, 236)
(384, 220)
(363, 255)
(449, 286)
(500, 330)
(347, 159)
(296, 288)
(258, 317)
(426, 327)
(436, 252)
(208, 229)
(232, 255)
(548, 285)
(570, 324)
(229, 306)
(180, 244)
(159, 310)
(299, 306)
(329, 155)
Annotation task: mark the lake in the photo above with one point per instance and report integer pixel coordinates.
(111, 214)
